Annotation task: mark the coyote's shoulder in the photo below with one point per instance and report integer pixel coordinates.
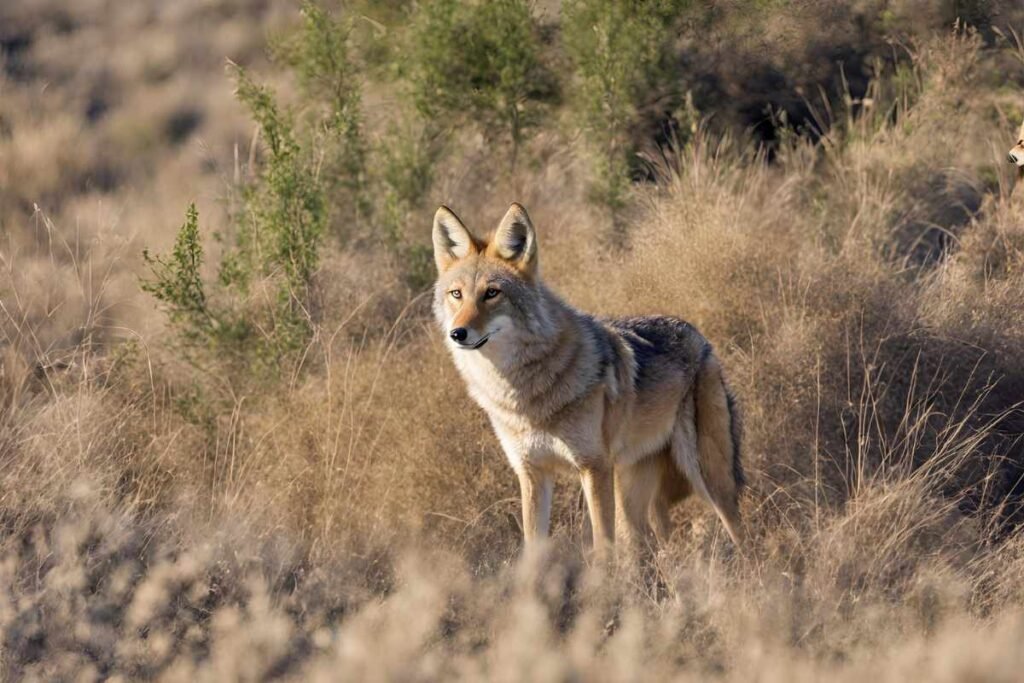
(638, 406)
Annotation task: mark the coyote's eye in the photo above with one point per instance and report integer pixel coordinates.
(491, 293)
(456, 294)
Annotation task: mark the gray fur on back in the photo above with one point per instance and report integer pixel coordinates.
(659, 343)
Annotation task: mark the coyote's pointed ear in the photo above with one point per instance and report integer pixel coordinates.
(515, 240)
(452, 240)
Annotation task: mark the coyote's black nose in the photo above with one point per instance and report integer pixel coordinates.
(1011, 158)
(459, 334)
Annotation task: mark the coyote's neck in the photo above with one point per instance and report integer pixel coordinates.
(543, 369)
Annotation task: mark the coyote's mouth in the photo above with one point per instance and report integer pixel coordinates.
(474, 347)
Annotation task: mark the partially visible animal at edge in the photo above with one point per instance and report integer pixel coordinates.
(1016, 157)
(638, 407)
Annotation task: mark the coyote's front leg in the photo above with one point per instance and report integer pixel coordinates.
(599, 489)
(535, 487)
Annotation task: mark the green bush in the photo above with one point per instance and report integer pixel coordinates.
(617, 50)
(405, 160)
(178, 283)
(286, 205)
(480, 62)
(320, 55)
(277, 241)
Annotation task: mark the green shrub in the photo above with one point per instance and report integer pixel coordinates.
(319, 54)
(617, 50)
(405, 160)
(178, 283)
(286, 205)
(480, 62)
(277, 240)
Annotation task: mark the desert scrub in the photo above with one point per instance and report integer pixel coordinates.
(218, 325)
(286, 207)
(178, 284)
(617, 50)
(479, 62)
(373, 183)
(320, 54)
(265, 305)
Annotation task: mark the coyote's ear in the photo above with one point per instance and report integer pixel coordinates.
(515, 240)
(1020, 136)
(452, 240)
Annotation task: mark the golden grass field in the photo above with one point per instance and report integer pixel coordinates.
(357, 520)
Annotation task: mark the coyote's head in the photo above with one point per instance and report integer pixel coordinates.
(487, 289)
(1017, 151)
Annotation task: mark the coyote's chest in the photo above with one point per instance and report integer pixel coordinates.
(529, 429)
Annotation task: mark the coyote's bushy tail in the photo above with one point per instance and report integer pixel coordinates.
(719, 435)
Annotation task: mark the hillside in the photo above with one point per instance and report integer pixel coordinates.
(233, 444)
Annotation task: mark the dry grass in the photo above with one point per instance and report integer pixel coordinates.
(358, 521)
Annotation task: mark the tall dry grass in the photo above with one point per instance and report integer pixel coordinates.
(358, 520)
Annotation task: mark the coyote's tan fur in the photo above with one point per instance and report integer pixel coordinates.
(1016, 156)
(638, 406)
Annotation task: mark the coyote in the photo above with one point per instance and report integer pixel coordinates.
(638, 407)
(1016, 156)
